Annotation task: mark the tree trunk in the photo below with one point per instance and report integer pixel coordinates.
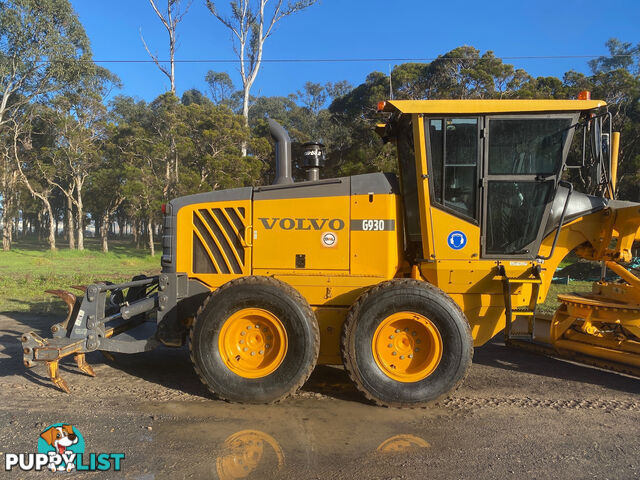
(136, 240)
(52, 233)
(70, 226)
(150, 232)
(104, 232)
(6, 230)
(39, 225)
(80, 207)
(245, 114)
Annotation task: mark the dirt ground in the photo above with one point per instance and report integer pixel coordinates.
(518, 415)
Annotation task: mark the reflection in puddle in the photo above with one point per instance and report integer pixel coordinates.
(303, 439)
(248, 451)
(402, 443)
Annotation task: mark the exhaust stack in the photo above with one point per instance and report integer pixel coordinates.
(283, 153)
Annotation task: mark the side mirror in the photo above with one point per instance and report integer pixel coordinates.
(595, 129)
(606, 145)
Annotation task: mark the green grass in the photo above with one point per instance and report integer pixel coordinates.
(551, 303)
(30, 268)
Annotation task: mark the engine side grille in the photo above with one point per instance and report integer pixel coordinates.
(217, 240)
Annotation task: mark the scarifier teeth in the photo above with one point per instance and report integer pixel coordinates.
(55, 377)
(82, 288)
(83, 365)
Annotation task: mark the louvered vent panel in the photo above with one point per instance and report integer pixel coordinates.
(217, 240)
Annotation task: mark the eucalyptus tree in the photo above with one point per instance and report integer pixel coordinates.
(79, 115)
(43, 47)
(251, 23)
(170, 17)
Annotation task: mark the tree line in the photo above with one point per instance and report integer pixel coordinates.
(74, 153)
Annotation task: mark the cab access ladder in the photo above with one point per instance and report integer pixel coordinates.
(528, 312)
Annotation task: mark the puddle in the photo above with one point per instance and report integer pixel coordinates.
(229, 441)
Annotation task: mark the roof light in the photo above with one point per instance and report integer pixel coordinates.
(584, 95)
(381, 105)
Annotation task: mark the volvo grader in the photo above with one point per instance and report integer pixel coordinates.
(396, 277)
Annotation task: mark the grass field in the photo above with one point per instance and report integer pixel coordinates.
(29, 269)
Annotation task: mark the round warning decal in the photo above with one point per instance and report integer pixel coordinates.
(329, 239)
(457, 240)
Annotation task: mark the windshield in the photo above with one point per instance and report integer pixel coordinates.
(527, 146)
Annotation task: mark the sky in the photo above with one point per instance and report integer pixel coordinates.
(351, 29)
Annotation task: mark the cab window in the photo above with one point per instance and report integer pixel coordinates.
(453, 147)
(527, 146)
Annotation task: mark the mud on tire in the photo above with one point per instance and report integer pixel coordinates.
(380, 303)
(296, 318)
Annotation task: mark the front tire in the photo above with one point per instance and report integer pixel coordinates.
(255, 340)
(405, 343)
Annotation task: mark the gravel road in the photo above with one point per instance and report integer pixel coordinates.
(518, 415)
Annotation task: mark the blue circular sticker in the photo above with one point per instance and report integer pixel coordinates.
(457, 240)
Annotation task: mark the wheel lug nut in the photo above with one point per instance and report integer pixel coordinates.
(245, 349)
(261, 352)
(390, 337)
(269, 337)
(253, 354)
(417, 349)
(243, 333)
(413, 334)
(241, 342)
(390, 345)
(258, 327)
(401, 357)
(406, 329)
(249, 327)
(267, 346)
(397, 330)
(410, 356)
(394, 353)
(418, 341)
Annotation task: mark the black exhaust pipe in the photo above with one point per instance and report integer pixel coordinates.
(283, 153)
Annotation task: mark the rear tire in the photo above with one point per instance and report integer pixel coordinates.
(255, 340)
(405, 343)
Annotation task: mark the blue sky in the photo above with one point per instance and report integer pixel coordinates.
(357, 29)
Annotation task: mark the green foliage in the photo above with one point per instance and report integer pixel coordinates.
(43, 47)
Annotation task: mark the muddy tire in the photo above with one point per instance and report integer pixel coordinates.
(405, 343)
(254, 340)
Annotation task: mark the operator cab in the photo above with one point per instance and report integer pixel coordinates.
(495, 168)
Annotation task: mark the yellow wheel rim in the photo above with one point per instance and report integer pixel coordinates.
(407, 346)
(252, 343)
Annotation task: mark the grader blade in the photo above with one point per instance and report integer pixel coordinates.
(601, 328)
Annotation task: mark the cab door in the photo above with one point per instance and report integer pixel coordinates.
(523, 156)
(454, 146)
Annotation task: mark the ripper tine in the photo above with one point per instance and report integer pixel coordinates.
(83, 365)
(82, 288)
(55, 377)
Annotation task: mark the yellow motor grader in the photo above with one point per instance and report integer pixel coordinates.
(395, 277)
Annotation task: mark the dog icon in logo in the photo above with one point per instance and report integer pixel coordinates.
(60, 438)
